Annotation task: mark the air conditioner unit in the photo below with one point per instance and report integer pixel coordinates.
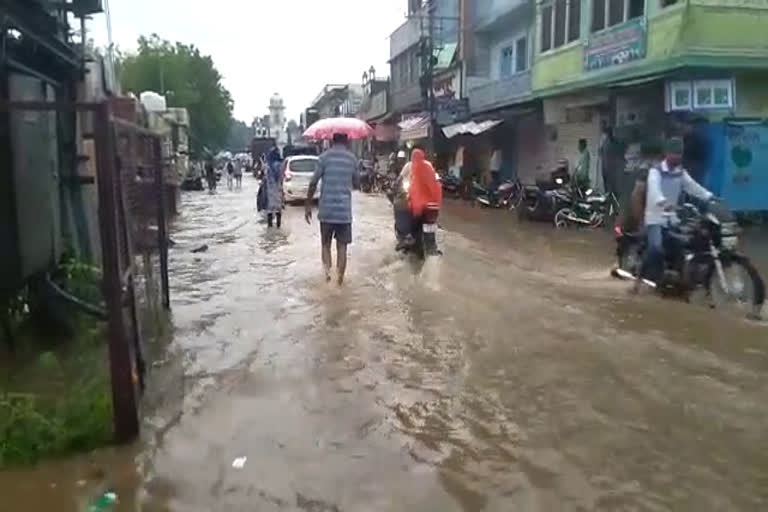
(87, 7)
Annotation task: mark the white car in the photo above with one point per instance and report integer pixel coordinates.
(298, 173)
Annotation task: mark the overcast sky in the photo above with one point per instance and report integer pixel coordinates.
(293, 47)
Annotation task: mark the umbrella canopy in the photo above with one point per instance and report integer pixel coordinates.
(325, 128)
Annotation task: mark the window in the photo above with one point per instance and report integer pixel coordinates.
(514, 58)
(560, 8)
(507, 58)
(700, 94)
(680, 96)
(560, 22)
(546, 28)
(521, 54)
(607, 13)
(574, 20)
(713, 94)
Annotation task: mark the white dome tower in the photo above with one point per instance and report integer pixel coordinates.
(277, 119)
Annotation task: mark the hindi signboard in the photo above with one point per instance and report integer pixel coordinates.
(616, 45)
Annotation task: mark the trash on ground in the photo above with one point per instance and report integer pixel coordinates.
(105, 502)
(239, 463)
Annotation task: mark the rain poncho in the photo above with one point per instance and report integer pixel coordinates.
(273, 182)
(425, 188)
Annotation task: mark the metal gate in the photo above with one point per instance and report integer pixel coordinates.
(130, 175)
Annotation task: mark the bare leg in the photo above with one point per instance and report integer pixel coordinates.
(326, 255)
(341, 256)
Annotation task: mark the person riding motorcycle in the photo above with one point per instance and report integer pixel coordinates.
(666, 181)
(416, 187)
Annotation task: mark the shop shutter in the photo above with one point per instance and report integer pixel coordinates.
(530, 146)
(567, 145)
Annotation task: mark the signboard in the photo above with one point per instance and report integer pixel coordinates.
(617, 45)
(450, 111)
(745, 187)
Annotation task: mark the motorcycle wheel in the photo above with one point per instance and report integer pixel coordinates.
(515, 198)
(597, 221)
(746, 289)
(630, 259)
(561, 218)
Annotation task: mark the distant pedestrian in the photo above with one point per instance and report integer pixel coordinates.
(239, 174)
(230, 174)
(337, 169)
(273, 183)
(210, 175)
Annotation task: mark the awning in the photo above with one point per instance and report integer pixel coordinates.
(414, 128)
(471, 128)
(444, 56)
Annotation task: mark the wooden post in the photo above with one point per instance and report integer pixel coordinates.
(124, 403)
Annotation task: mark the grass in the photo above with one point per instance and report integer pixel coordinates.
(56, 402)
(55, 396)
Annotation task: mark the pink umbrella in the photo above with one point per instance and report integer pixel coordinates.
(325, 128)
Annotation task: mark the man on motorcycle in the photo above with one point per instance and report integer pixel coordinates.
(665, 183)
(416, 187)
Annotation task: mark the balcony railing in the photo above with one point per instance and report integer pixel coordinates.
(498, 93)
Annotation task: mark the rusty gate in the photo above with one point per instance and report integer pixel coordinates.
(132, 216)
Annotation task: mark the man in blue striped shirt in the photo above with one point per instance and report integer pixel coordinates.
(337, 171)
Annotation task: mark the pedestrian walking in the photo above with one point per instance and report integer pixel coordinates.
(239, 174)
(337, 168)
(273, 183)
(210, 175)
(230, 174)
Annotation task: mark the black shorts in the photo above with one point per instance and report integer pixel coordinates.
(341, 232)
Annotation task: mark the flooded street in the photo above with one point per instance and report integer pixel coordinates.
(512, 373)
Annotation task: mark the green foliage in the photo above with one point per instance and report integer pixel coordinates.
(240, 136)
(189, 79)
(82, 280)
(34, 426)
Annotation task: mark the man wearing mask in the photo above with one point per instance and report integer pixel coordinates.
(666, 182)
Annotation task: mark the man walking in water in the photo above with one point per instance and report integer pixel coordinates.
(337, 168)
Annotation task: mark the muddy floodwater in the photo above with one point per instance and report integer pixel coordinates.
(510, 374)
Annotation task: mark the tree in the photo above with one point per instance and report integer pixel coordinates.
(188, 79)
(240, 135)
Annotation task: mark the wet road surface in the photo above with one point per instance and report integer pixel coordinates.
(510, 374)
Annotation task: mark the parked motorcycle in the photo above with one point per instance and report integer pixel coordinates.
(543, 200)
(507, 195)
(451, 185)
(701, 251)
(587, 209)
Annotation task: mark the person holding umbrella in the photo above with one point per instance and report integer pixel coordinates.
(338, 169)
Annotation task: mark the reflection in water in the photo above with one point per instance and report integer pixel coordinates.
(509, 374)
